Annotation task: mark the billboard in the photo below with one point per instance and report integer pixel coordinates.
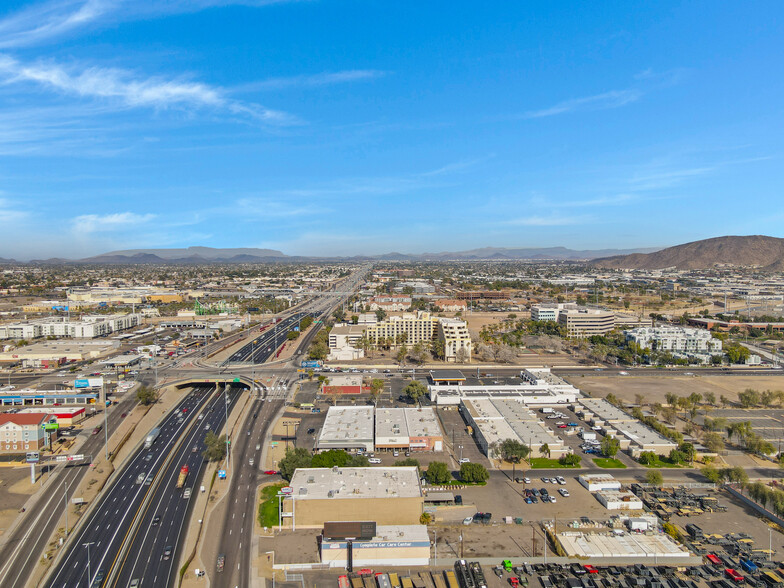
(62, 308)
(88, 383)
(32, 457)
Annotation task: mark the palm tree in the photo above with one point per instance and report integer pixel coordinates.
(545, 449)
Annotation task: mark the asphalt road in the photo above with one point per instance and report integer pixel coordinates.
(239, 507)
(164, 517)
(266, 344)
(19, 552)
(108, 524)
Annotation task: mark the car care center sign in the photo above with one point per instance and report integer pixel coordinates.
(88, 383)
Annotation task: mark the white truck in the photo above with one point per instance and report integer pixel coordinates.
(547, 410)
(151, 437)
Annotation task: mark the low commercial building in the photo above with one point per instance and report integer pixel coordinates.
(585, 322)
(390, 303)
(388, 496)
(535, 387)
(597, 482)
(550, 312)
(615, 545)
(47, 398)
(451, 305)
(347, 427)
(618, 500)
(124, 361)
(22, 432)
(52, 354)
(66, 416)
(633, 436)
(342, 384)
(414, 429)
(495, 420)
(392, 546)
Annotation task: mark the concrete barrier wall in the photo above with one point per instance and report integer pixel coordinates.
(750, 503)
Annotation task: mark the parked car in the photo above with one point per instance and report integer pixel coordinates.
(468, 520)
(464, 460)
(375, 460)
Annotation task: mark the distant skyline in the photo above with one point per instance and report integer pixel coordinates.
(336, 127)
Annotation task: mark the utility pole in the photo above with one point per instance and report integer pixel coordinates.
(105, 419)
(65, 490)
(226, 406)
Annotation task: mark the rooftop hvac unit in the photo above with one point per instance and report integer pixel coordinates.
(331, 494)
(311, 480)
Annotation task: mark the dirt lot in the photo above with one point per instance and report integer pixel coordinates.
(654, 388)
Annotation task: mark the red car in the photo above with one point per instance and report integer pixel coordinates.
(270, 472)
(590, 569)
(561, 426)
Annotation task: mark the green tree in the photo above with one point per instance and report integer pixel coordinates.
(513, 451)
(318, 350)
(400, 356)
(610, 446)
(437, 473)
(711, 473)
(376, 388)
(329, 459)
(146, 395)
(545, 449)
(749, 398)
(710, 398)
(713, 442)
(648, 458)
(570, 459)
(736, 353)
(437, 349)
(687, 449)
(298, 457)
(215, 447)
(677, 457)
(415, 390)
(654, 477)
(407, 462)
(473, 472)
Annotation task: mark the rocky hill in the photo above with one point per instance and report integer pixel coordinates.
(748, 251)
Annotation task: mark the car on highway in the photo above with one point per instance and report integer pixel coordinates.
(123, 415)
(258, 446)
(134, 583)
(148, 457)
(99, 576)
(140, 478)
(251, 461)
(167, 551)
(195, 449)
(97, 429)
(221, 562)
(186, 493)
(156, 519)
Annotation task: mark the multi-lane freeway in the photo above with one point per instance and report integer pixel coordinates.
(152, 550)
(266, 344)
(94, 549)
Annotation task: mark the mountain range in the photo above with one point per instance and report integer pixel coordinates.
(759, 251)
(197, 255)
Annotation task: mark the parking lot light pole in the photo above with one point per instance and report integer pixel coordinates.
(226, 407)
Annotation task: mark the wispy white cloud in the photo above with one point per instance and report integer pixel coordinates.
(94, 223)
(548, 221)
(316, 80)
(49, 21)
(607, 100)
(10, 213)
(267, 208)
(121, 86)
(616, 200)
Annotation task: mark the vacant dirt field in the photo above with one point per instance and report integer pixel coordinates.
(653, 388)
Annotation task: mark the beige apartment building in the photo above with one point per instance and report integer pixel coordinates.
(421, 327)
(586, 322)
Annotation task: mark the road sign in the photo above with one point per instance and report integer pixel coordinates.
(33, 457)
(221, 474)
(51, 426)
(77, 457)
(236, 380)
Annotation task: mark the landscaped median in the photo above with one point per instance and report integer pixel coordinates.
(609, 463)
(544, 463)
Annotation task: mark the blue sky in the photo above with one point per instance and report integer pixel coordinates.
(329, 127)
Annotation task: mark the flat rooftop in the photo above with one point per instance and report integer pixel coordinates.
(580, 544)
(606, 411)
(347, 423)
(422, 422)
(447, 375)
(354, 483)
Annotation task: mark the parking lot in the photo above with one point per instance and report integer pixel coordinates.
(767, 422)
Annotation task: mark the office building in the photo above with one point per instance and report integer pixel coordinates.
(585, 322)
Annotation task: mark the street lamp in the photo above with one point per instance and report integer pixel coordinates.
(89, 575)
(226, 406)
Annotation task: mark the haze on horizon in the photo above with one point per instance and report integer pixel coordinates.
(345, 127)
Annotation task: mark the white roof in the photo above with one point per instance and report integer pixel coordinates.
(345, 483)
